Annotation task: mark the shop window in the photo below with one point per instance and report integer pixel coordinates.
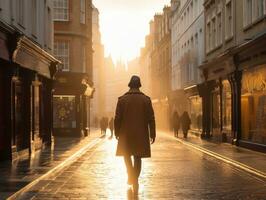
(227, 105)
(64, 112)
(196, 112)
(253, 105)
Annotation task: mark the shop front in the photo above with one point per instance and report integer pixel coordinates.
(251, 84)
(71, 104)
(234, 96)
(217, 99)
(195, 109)
(253, 105)
(26, 73)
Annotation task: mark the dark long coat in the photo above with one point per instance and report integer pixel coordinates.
(134, 124)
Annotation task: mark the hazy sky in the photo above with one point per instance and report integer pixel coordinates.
(124, 24)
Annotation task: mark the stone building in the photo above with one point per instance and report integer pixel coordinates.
(145, 63)
(187, 55)
(27, 68)
(235, 72)
(161, 66)
(98, 101)
(73, 46)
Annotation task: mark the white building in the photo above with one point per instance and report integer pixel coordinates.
(32, 18)
(187, 53)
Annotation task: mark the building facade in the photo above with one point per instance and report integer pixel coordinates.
(234, 72)
(73, 46)
(27, 68)
(187, 55)
(98, 101)
(161, 67)
(145, 64)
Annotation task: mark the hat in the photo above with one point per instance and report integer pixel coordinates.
(134, 82)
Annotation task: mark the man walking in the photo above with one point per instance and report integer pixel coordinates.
(134, 129)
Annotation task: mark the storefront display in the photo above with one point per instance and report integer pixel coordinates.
(64, 113)
(216, 112)
(196, 112)
(227, 106)
(253, 105)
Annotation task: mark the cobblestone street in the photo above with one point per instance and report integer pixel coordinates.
(174, 172)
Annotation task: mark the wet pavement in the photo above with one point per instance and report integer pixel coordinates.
(175, 171)
(14, 176)
(251, 159)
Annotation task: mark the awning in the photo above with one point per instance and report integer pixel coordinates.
(28, 55)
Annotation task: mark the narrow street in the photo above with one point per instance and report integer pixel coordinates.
(174, 172)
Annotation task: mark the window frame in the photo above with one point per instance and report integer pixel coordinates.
(64, 9)
(62, 56)
(229, 18)
(82, 12)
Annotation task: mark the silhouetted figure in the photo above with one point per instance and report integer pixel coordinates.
(176, 123)
(185, 123)
(96, 121)
(104, 125)
(134, 129)
(111, 126)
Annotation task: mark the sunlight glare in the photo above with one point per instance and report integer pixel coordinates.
(124, 24)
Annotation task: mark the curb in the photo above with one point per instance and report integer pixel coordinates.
(225, 159)
(57, 168)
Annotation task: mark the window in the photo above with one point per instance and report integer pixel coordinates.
(226, 105)
(191, 11)
(195, 104)
(208, 37)
(228, 20)
(219, 28)
(213, 32)
(260, 8)
(253, 105)
(61, 51)
(264, 7)
(21, 12)
(61, 10)
(34, 17)
(188, 16)
(82, 11)
(196, 7)
(253, 10)
(64, 112)
(247, 12)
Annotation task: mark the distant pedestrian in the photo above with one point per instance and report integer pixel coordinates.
(175, 123)
(102, 125)
(111, 126)
(185, 123)
(105, 124)
(96, 121)
(134, 129)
